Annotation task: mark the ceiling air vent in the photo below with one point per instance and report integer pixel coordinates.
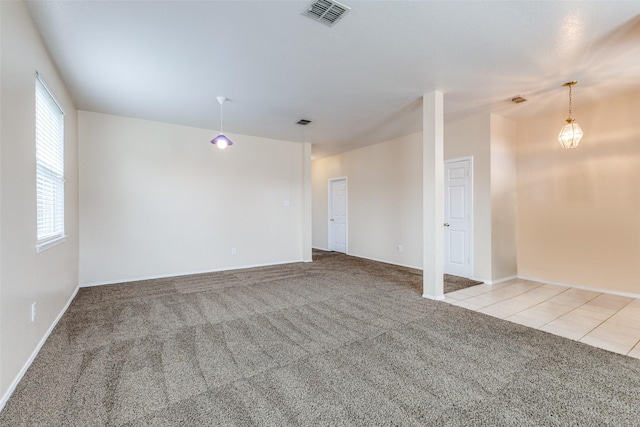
(303, 122)
(326, 11)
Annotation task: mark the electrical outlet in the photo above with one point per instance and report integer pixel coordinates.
(234, 251)
(400, 248)
(33, 312)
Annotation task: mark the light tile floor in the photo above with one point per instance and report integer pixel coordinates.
(602, 320)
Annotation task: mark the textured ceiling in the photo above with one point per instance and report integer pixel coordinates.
(360, 81)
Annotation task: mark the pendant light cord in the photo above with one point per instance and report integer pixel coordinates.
(221, 116)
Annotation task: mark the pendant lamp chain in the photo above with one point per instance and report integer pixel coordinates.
(570, 103)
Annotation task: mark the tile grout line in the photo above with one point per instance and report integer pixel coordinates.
(540, 303)
(482, 293)
(633, 348)
(585, 303)
(605, 320)
(507, 299)
(638, 341)
(571, 311)
(523, 293)
(599, 294)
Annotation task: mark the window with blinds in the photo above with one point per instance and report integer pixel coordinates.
(49, 167)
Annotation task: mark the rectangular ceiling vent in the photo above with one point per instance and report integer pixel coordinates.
(326, 11)
(518, 99)
(303, 122)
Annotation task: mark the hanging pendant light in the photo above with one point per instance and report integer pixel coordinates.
(221, 141)
(570, 134)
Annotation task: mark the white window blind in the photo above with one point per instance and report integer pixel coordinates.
(49, 167)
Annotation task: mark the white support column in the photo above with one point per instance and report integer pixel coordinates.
(306, 202)
(433, 194)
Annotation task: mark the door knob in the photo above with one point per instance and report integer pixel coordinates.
(446, 224)
(331, 219)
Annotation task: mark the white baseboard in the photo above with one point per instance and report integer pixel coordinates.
(495, 282)
(385, 261)
(18, 378)
(164, 276)
(586, 288)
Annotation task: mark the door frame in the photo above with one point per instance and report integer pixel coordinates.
(346, 213)
(471, 209)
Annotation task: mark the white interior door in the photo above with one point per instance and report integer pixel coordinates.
(457, 218)
(338, 215)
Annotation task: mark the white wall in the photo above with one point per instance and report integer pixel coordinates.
(491, 141)
(385, 195)
(48, 278)
(472, 137)
(159, 200)
(384, 200)
(504, 260)
(578, 210)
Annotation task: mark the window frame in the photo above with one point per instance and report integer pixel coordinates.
(49, 162)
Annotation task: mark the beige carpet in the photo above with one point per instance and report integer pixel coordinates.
(340, 341)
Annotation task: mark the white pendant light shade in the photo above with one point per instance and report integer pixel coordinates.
(221, 141)
(570, 134)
